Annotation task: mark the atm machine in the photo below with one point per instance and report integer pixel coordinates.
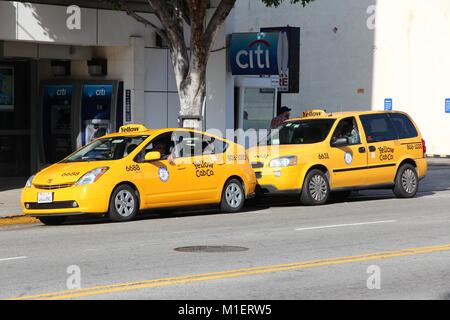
(74, 112)
(101, 110)
(58, 104)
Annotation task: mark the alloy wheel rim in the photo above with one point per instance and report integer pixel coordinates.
(318, 188)
(124, 203)
(409, 181)
(233, 195)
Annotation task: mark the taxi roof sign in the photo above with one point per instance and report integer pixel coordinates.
(314, 113)
(130, 128)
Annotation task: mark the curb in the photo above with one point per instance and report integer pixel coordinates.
(17, 220)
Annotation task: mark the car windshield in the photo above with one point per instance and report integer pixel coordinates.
(107, 149)
(300, 132)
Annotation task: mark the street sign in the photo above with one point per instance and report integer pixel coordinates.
(127, 105)
(388, 103)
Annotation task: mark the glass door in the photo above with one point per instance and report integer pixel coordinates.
(258, 108)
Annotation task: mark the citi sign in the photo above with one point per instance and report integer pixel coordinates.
(255, 53)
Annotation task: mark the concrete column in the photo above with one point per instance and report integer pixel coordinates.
(136, 82)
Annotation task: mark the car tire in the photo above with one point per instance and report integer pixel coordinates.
(316, 188)
(406, 182)
(233, 196)
(124, 204)
(53, 221)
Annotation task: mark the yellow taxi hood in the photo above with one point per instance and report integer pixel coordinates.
(263, 153)
(66, 173)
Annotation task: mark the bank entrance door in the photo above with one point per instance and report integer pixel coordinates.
(257, 103)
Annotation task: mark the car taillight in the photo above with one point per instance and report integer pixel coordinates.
(424, 148)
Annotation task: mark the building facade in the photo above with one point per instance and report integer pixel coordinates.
(354, 55)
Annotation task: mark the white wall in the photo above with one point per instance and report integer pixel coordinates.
(335, 67)
(219, 108)
(412, 65)
(44, 23)
(161, 95)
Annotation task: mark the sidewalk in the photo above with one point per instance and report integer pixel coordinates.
(439, 161)
(10, 189)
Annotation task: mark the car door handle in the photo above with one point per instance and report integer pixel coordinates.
(181, 167)
(362, 150)
(372, 149)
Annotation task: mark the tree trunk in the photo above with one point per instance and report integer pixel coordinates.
(192, 93)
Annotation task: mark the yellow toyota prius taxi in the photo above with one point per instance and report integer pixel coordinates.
(323, 154)
(137, 168)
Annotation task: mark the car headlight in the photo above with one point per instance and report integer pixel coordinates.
(283, 162)
(29, 181)
(92, 176)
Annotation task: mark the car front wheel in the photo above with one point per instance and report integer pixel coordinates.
(124, 204)
(316, 188)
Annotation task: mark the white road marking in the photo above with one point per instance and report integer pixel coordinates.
(346, 225)
(13, 258)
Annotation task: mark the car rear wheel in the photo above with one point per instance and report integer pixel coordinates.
(316, 188)
(124, 204)
(233, 196)
(406, 182)
(53, 221)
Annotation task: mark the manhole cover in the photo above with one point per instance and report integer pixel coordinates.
(209, 249)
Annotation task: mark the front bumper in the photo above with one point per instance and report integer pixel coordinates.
(287, 180)
(74, 200)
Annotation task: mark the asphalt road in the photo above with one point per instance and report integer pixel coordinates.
(287, 252)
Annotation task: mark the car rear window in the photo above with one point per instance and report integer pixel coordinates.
(403, 125)
(378, 127)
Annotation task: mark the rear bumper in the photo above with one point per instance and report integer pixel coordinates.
(422, 167)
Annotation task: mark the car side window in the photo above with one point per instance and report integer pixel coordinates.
(347, 128)
(211, 145)
(378, 127)
(403, 125)
(162, 143)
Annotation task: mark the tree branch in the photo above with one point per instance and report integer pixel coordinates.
(218, 18)
(124, 6)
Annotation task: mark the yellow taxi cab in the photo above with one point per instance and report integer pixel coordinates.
(137, 168)
(322, 154)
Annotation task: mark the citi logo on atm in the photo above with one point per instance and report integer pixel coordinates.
(100, 92)
(255, 53)
(61, 92)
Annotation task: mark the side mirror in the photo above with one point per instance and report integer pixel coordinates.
(152, 156)
(340, 142)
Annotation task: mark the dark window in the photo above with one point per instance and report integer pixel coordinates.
(106, 149)
(212, 145)
(300, 132)
(403, 126)
(347, 128)
(162, 144)
(378, 127)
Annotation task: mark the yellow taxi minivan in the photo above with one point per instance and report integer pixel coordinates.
(331, 154)
(137, 168)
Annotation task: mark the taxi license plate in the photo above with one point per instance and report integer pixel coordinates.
(45, 197)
